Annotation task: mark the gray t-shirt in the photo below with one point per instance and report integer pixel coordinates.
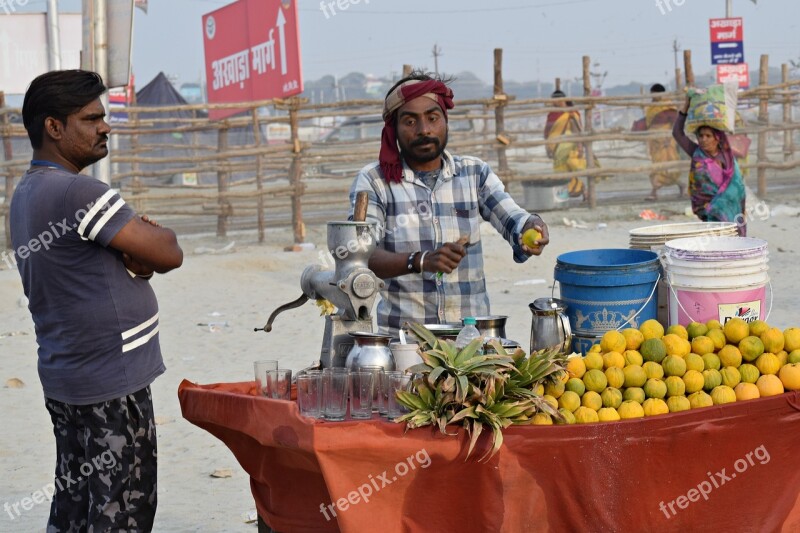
(96, 323)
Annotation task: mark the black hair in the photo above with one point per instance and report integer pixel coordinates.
(421, 75)
(58, 94)
(558, 93)
(657, 88)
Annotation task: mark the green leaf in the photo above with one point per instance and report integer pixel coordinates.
(467, 412)
(475, 428)
(423, 333)
(468, 351)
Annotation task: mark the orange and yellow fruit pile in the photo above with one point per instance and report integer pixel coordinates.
(649, 371)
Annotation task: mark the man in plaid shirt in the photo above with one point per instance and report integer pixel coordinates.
(427, 205)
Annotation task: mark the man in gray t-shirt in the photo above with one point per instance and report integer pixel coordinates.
(85, 259)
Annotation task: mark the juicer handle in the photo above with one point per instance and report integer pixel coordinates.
(360, 209)
(285, 307)
(566, 329)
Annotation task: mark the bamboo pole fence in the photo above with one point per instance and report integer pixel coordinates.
(278, 163)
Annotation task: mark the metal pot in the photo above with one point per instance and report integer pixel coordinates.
(549, 325)
(370, 349)
(491, 326)
(440, 331)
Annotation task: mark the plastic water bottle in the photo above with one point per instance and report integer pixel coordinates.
(467, 333)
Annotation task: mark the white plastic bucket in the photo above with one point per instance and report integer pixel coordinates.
(716, 278)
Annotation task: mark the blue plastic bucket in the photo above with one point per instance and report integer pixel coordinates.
(607, 289)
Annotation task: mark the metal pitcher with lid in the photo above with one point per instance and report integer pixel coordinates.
(549, 325)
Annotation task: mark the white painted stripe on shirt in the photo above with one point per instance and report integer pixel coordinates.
(138, 342)
(141, 327)
(98, 205)
(105, 218)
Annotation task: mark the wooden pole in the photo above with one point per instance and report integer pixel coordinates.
(499, 118)
(763, 118)
(687, 68)
(588, 127)
(407, 70)
(558, 85)
(136, 183)
(677, 79)
(259, 173)
(788, 140)
(223, 176)
(296, 176)
(8, 155)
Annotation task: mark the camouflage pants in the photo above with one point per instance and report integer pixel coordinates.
(105, 476)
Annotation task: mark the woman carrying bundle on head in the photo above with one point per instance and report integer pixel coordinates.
(716, 186)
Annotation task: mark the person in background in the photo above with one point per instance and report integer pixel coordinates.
(567, 156)
(661, 117)
(716, 185)
(428, 205)
(85, 259)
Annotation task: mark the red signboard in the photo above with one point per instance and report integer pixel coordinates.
(738, 74)
(726, 30)
(252, 52)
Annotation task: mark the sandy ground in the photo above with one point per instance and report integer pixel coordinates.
(236, 290)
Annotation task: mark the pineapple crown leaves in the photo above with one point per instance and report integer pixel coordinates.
(474, 390)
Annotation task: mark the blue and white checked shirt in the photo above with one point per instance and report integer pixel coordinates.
(411, 217)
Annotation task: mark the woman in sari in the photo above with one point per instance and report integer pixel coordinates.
(715, 180)
(566, 156)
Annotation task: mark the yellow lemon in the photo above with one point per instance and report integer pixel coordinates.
(790, 376)
(694, 381)
(530, 237)
(694, 362)
(717, 337)
(676, 345)
(569, 401)
(615, 377)
(791, 339)
(593, 360)
(611, 397)
(608, 414)
(586, 415)
(551, 400)
(634, 394)
(773, 340)
(635, 376)
(630, 409)
(613, 341)
(702, 345)
(576, 367)
(713, 324)
(730, 355)
(613, 359)
(653, 370)
(735, 330)
(768, 363)
(592, 400)
(678, 403)
(680, 331)
(554, 388)
(723, 394)
(566, 417)
(757, 327)
(793, 357)
(633, 357)
(749, 373)
(652, 329)
(655, 406)
(700, 399)
(633, 338)
(542, 419)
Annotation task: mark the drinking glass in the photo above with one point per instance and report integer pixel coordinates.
(279, 384)
(377, 379)
(260, 369)
(361, 392)
(334, 393)
(386, 390)
(396, 383)
(309, 394)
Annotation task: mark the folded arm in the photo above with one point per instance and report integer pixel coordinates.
(147, 247)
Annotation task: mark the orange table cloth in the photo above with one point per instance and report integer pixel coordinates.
(734, 467)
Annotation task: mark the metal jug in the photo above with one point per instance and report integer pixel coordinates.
(549, 325)
(370, 349)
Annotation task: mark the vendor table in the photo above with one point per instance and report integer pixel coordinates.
(734, 467)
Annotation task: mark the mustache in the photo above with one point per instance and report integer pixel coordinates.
(425, 140)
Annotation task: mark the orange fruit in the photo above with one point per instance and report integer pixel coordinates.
(680, 331)
(633, 338)
(769, 385)
(730, 355)
(790, 376)
(655, 406)
(652, 329)
(576, 367)
(791, 339)
(702, 345)
(613, 341)
(746, 391)
(768, 363)
(696, 329)
(630, 409)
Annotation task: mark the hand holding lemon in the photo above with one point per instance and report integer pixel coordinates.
(534, 236)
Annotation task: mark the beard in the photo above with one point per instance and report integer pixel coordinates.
(411, 154)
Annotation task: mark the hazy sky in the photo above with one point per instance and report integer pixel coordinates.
(630, 39)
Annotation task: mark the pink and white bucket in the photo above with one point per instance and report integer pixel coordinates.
(716, 278)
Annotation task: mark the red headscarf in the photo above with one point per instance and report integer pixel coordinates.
(389, 158)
